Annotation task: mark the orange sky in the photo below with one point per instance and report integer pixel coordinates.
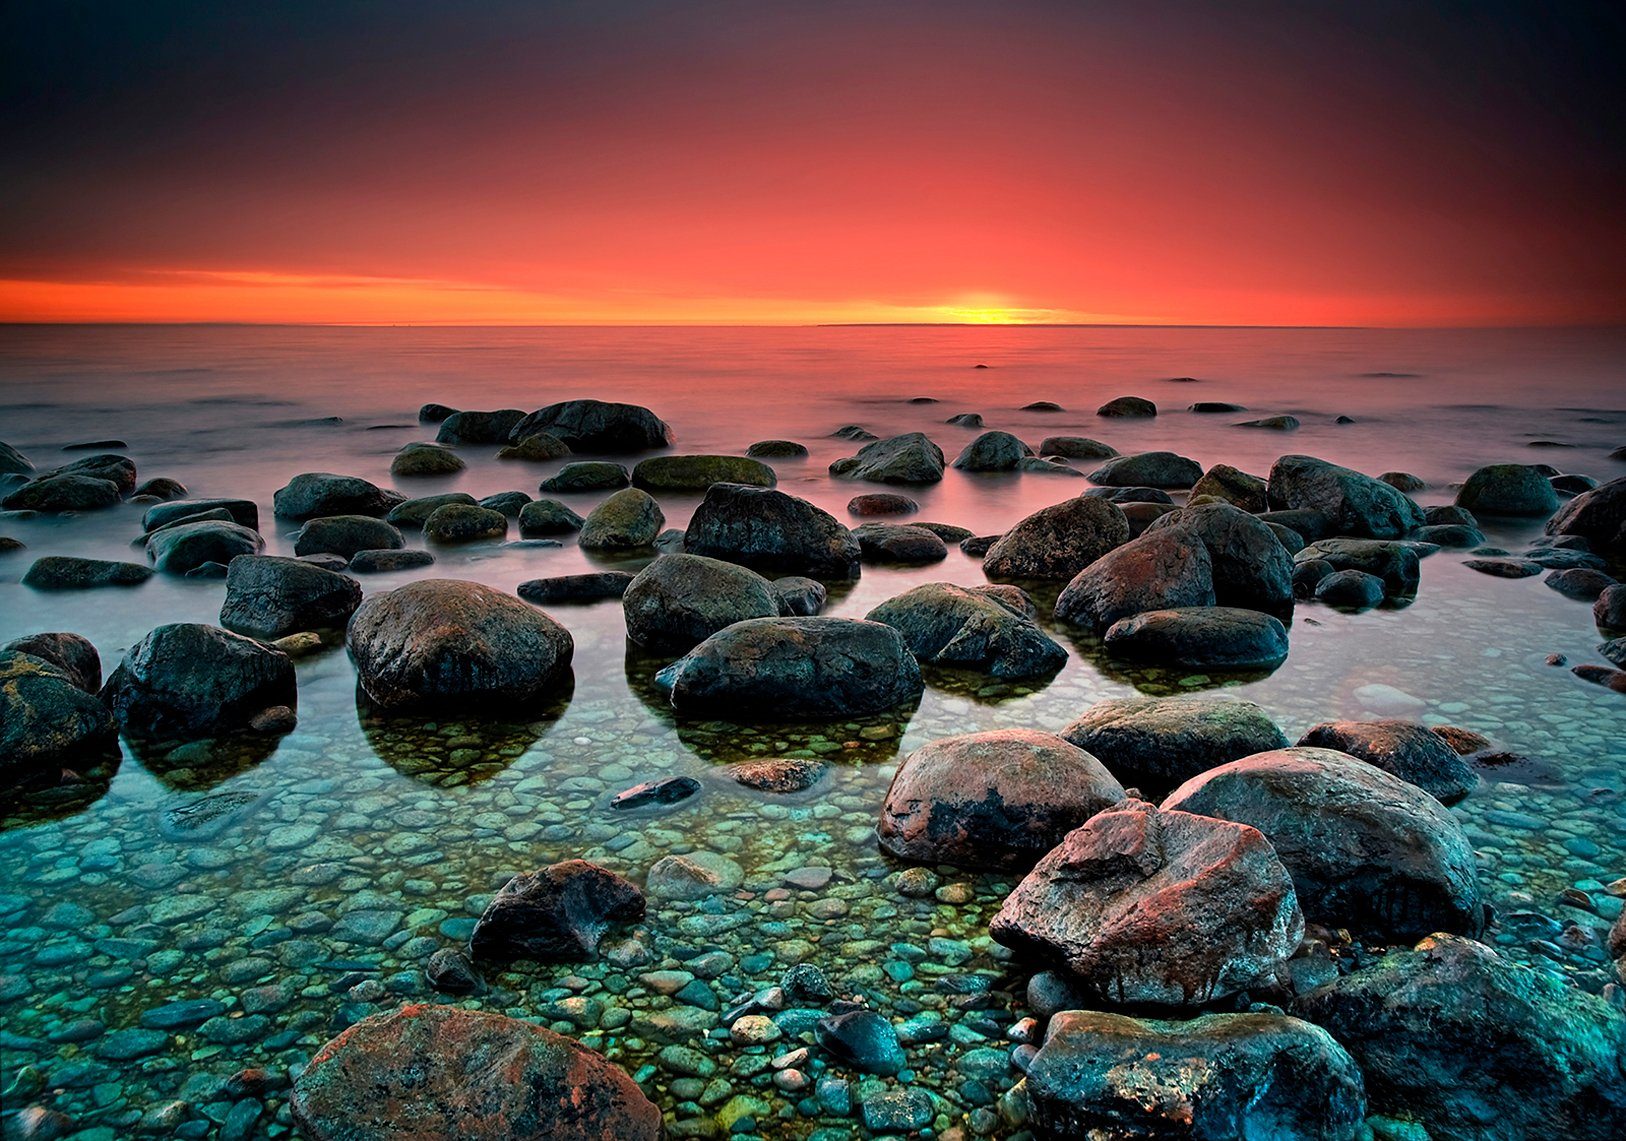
(734, 163)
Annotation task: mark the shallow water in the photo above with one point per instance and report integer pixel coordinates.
(357, 847)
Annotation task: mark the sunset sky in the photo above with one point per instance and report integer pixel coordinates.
(604, 162)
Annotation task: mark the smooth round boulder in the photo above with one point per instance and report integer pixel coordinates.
(678, 601)
(971, 628)
(1349, 589)
(542, 518)
(538, 447)
(776, 450)
(346, 535)
(1199, 638)
(900, 544)
(696, 473)
(1076, 448)
(1396, 563)
(627, 520)
(1158, 570)
(910, 459)
(73, 654)
(386, 562)
(420, 459)
(46, 718)
(479, 427)
(434, 413)
(1055, 543)
(590, 587)
(244, 511)
(799, 597)
(1157, 743)
(587, 475)
(1508, 489)
(1235, 486)
(1403, 748)
(464, 523)
(444, 641)
(272, 597)
(1127, 407)
(881, 503)
(509, 503)
(1598, 516)
(1148, 469)
(769, 530)
(598, 426)
(184, 547)
(999, 799)
(318, 493)
(1368, 850)
(412, 513)
(61, 493)
(1357, 504)
(993, 451)
(187, 680)
(70, 572)
(1250, 567)
(433, 1071)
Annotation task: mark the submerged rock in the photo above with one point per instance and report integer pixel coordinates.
(1222, 481)
(1156, 743)
(546, 517)
(538, 447)
(556, 914)
(1403, 748)
(1282, 423)
(186, 680)
(598, 426)
(464, 523)
(588, 587)
(1397, 564)
(384, 562)
(413, 513)
(910, 458)
(782, 775)
(63, 492)
(771, 531)
(678, 601)
(999, 799)
(272, 597)
(479, 427)
(420, 459)
(973, 628)
(1349, 589)
(993, 451)
(1127, 406)
(881, 503)
(587, 475)
(244, 511)
(696, 473)
(1076, 448)
(73, 654)
(1214, 637)
(1598, 516)
(318, 493)
(861, 1039)
(776, 450)
(1055, 543)
(1508, 489)
(899, 543)
(1357, 504)
(181, 548)
(627, 520)
(69, 572)
(1150, 906)
(1148, 469)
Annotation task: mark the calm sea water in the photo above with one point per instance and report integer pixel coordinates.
(355, 848)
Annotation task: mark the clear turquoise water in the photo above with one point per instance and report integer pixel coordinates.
(354, 849)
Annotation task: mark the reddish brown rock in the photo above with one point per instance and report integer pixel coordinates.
(558, 913)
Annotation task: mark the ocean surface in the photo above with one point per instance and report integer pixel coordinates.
(357, 846)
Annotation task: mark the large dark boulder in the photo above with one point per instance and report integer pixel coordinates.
(273, 597)
(1508, 489)
(538, 447)
(1598, 516)
(1158, 570)
(1235, 486)
(1357, 504)
(993, 451)
(1396, 563)
(589, 587)
(598, 426)
(479, 427)
(1200, 638)
(73, 654)
(1367, 850)
(789, 668)
(1609, 608)
(1251, 568)
(1220, 1077)
(627, 520)
(1148, 469)
(799, 597)
(1404, 748)
(970, 628)
(46, 719)
(13, 462)
(116, 469)
(421, 459)
(1121, 407)
(187, 680)
(587, 475)
(1477, 1048)
(412, 514)
(542, 518)
(1156, 743)
(696, 473)
(343, 535)
(454, 523)
(319, 493)
(70, 572)
(244, 511)
(1076, 448)
(183, 547)
(999, 799)
(910, 458)
(899, 543)
(1148, 906)
(62, 493)
(771, 531)
(678, 601)
(1309, 523)
(1055, 543)
(557, 914)
(447, 641)
(430, 1071)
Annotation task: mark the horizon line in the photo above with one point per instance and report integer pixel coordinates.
(1597, 325)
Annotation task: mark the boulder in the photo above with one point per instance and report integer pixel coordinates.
(782, 775)
(1233, 485)
(1474, 1047)
(1395, 563)
(1157, 743)
(447, 641)
(852, 432)
(13, 462)
(965, 420)
(910, 458)
(776, 450)
(1250, 567)
(557, 914)
(342, 535)
(63, 493)
(1127, 495)
(70, 572)
(545, 517)
(999, 799)
(1508, 489)
(771, 531)
(1076, 448)
(1046, 466)
(1609, 609)
(696, 473)
(899, 543)
(799, 597)
(1127, 406)
(970, 628)
(1292, 542)
(627, 520)
(993, 451)
(1402, 748)
(1218, 1077)
(1148, 469)
(1367, 850)
(420, 459)
(1201, 638)
(186, 680)
(1444, 513)
(117, 470)
(414, 512)
(434, 413)
(1160, 570)
(244, 511)
(589, 587)
(1055, 543)
(271, 597)
(1149, 906)
(538, 447)
(1307, 522)
(1281, 423)
(1357, 504)
(464, 523)
(46, 720)
(1598, 516)
(1348, 589)
(74, 655)
(881, 503)
(1215, 406)
(431, 1071)
(598, 426)
(510, 503)
(678, 601)
(480, 427)
(1042, 406)
(161, 487)
(1458, 535)
(387, 561)
(789, 668)
(319, 493)
(183, 547)
(587, 475)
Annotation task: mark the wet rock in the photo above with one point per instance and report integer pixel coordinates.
(993, 451)
(186, 680)
(411, 514)
(1214, 637)
(1156, 743)
(785, 668)
(420, 459)
(441, 1071)
(781, 775)
(1504, 568)
(1148, 469)
(181, 548)
(69, 572)
(1458, 535)
(1473, 1046)
(343, 535)
(999, 799)
(272, 597)
(1403, 748)
(464, 523)
(1076, 448)
(538, 447)
(1123, 496)
(1572, 485)
(1127, 406)
(1357, 504)
(771, 531)
(1368, 850)
(1160, 570)
(480, 427)
(899, 543)
(384, 562)
(544, 517)
(970, 628)
(1396, 564)
(1249, 567)
(589, 587)
(627, 520)
(881, 503)
(1222, 481)
(1601, 675)
(46, 719)
(1213, 1078)
(1508, 489)
(74, 655)
(1599, 516)
(910, 458)
(1055, 543)
(696, 473)
(598, 426)
(1215, 406)
(1609, 609)
(68, 491)
(1403, 481)
(1311, 524)
(1614, 650)
(316, 494)
(678, 601)
(1043, 406)
(509, 503)
(449, 970)
(1349, 589)
(861, 1040)
(776, 450)
(1272, 423)
(556, 914)
(852, 432)
(965, 420)
(691, 877)
(434, 413)
(1149, 906)
(587, 475)
(667, 790)
(13, 462)
(442, 640)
